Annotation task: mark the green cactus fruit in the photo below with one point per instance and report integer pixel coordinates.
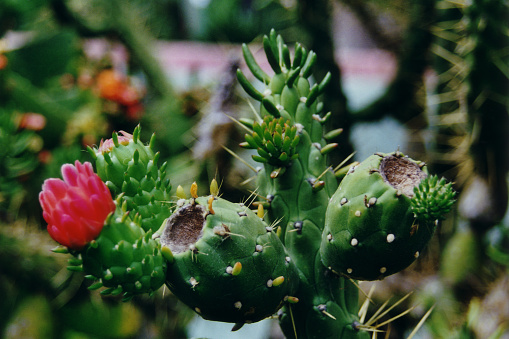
(129, 167)
(382, 216)
(124, 258)
(225, 262)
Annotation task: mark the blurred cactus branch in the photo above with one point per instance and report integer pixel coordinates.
(370, 22)
(402, 98)
(484, 200)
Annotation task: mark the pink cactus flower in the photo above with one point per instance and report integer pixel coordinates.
(108, 144)
(75, 208)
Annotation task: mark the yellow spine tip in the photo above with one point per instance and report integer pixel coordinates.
(211, 200)
(278, 281)
(260, 211)
(237, 268)
(194, 190)
(214, 188)
(292, 300)
(181, 194)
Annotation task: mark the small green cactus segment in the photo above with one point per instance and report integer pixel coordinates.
(129, 167)
(274, 140)
(226, 263)
(432, 199)
(370, 227)
(124, 258)
(288, 93)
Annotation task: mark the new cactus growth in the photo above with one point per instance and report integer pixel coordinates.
(382, 216)
(227, 264)
(124, 258)
(129, 167)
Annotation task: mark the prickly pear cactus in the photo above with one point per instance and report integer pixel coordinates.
(383, 214)
(129, 167)
(225, 262)
(124, 258)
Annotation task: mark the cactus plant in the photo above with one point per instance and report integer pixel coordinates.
(299, 259)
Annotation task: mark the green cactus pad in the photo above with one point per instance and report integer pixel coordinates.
(124, 258)
(227, 264)
(370, 227)
(129, 167)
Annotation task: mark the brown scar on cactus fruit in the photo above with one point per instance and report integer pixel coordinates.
(184, 228)
(401, 173)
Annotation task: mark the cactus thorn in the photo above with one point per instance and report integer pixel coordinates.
(237, 326)
(323, 309)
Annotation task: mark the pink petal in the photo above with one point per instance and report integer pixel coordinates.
(70, 174)
(56, 186)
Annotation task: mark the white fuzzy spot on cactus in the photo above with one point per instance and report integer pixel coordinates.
(181, 202)
(351, 170)
(192, 247)
(349, 270)
(193, 282)
(238, 305)
(259, 248)
(383, 270)
(300, 127)
(229, 270)
(329, 237)
(269, 283)
(372, 201)
(242, 214)
(267, 92)
(436, 222)
(343, 201)
(357, 213)
(354, 242)
(197, 310)
(390, 238)
(416, 255)
(268, 229)
(279, 107)
(303, 99)
(288, 259)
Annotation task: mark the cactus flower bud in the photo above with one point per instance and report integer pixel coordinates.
(75, 208)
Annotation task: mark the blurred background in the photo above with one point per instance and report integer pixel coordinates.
(427, 77)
